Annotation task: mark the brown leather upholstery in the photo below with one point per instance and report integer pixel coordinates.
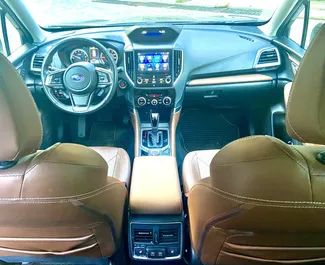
(264, 202)
(306, 111)
(21, 129)
(196, 166)
(118, 161)
(155, 186)
(66, 200)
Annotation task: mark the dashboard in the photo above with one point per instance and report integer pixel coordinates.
(194, 62)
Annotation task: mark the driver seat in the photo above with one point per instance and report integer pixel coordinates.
(68, 200)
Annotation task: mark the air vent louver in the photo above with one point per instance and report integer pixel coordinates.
(168, 235)
(268, 58)
(143, 235)
(178, 60)
(129, 63)
(37, 62)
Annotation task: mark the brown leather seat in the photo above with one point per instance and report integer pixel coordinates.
(264, 201)
(66, 200)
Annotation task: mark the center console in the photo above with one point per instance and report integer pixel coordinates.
(156, 213)
(153, 66)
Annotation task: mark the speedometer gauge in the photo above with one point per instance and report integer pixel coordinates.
(112, 52)
(79, 55)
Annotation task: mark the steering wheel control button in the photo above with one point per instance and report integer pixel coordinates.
(167, 101)
(122, 84)
(142, 101)
(154, 102)
(139, 80)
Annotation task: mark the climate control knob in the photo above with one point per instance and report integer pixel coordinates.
(167, 101)
(168, 80)
(139, 80)
(142, 101)
(154, 102)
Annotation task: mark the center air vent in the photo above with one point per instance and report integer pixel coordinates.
(178, 61)
(143, 235)
(168, 235)
(267, 58)
(37, 62)
(129, 64)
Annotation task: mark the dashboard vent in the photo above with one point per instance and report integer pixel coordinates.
(267, 58)
(168, 235)
(143, 235)
(129, 64)
(37, 62)
(178, 61)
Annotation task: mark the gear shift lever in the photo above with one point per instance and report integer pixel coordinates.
(154, 119)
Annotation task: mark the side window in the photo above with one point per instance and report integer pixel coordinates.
(316, 20)
(304, 26)
(14, 37)
(10, 34)
(296, 29)
(2, 41)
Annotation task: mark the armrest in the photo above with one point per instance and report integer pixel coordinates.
(155, 186)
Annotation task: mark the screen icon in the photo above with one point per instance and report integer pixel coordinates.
(149, 67)
(142, 67)
(165, 66)
(141, 59)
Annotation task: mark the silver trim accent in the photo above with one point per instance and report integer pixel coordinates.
(32, 63)
(162, 127)
(182, 67)
(125, 68)
(264, 65)
(288, 48)
(145, 101)
(166, 258)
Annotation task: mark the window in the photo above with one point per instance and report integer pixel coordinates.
(2, 41)
(10, 34)
(296, 28)
(13, 34)
(304, 26)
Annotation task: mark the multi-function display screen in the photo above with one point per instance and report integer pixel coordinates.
(155, 62)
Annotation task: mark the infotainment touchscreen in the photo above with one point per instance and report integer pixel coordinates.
(155, 62)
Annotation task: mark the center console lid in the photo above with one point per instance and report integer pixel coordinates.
(155, 186)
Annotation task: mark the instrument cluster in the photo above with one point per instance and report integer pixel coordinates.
(91, 55)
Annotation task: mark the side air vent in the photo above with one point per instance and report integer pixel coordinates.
(267, 58)
(168, 235)
(178, 61)
(37, 62)
(246, 38)
(143, 235)
(129, 64)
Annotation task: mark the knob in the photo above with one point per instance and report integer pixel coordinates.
(139, 80)
(154, 102)
(167, 101)
(168, 80)
(142, 101)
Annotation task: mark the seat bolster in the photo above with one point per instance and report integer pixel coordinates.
(196, 166)
(118, 161)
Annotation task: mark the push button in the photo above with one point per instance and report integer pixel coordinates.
(139, 251)
(172, 251)
(151, 253)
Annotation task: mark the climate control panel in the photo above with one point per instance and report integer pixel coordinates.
(154, 99)
(154, 80)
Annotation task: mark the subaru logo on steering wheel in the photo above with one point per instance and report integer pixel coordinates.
(77, 77)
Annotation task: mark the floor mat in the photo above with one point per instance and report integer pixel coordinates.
(109, 134)
(206, 129)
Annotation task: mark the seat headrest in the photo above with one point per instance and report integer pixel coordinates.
(305, 119)
(21, 128)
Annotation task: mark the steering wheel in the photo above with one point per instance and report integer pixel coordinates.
(88, 87)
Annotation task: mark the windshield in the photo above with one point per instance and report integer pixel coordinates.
(50, 13)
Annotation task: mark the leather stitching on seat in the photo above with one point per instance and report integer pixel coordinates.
(306, 169)
(222, 194)
(71, 164)
(59, 199)
(53, 148)
(249, 161)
